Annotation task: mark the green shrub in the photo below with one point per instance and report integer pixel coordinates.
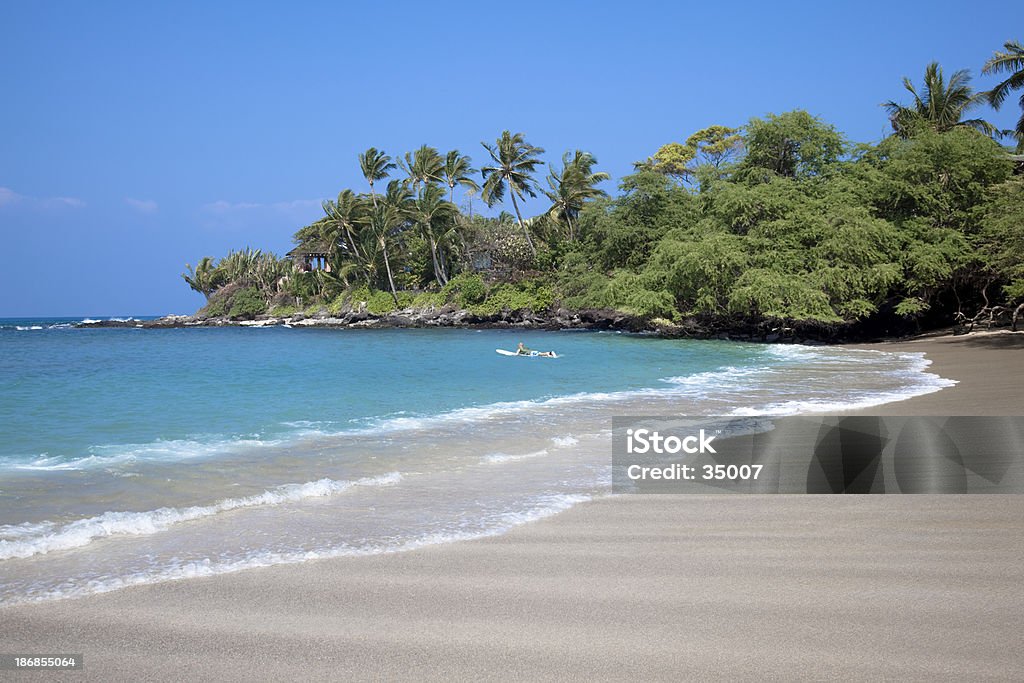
(428, 300)
(380, 303)
(648, 303)
(247, 303)
(358, 296)
(216, 307)
(337, 305)
(283, 311)
(525, 296)
(465, 290)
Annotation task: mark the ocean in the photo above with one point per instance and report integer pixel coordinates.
(131, 456)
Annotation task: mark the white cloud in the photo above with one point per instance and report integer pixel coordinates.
(221, 206)
(143, 205)
(298, 212)
(9, 197)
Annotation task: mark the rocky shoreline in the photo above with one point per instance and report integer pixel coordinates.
(557, 319)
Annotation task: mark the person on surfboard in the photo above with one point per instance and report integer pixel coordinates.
(523, 350)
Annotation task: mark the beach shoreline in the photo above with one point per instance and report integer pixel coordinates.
(642, 587)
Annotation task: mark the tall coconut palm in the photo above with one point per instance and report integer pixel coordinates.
(458, 170)
(376, 165)
(423, 166)
(572, 186)
(515, 161)
(341, 222)
(203, 278)
(385, 219)
(435, 219)
(1011, 63)
(940, 106)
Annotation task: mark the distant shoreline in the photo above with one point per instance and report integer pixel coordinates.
(556, 320)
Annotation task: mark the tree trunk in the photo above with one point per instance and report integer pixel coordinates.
(350, 239)
(438, 271)
(441, 259)
(387, 266)
(1016, 316)
(522, 225)
(572, 229)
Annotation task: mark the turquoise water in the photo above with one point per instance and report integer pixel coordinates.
(101, 392)
(132, 456)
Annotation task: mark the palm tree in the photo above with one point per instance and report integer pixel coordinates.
(341, 219)
(376, 165)
(515, 162)
(458, 170)
(572, 186)
(386, 218)
(203, 278)
(238, 266)
(1010, 62)
(940, 106)
(435, 219)
(423, 166)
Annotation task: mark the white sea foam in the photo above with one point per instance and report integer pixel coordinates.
(919, 383)
(20, 541)
(498, 458)
(541, 508)
(564, 441)
(715, 378)
(708, 380)
(169, 450)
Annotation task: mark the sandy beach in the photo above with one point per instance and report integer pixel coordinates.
(631, 587)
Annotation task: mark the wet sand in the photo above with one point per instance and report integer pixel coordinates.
(632, 587)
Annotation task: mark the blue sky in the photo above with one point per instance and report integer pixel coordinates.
(141, 136)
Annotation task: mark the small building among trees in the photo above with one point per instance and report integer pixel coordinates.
(310, 257)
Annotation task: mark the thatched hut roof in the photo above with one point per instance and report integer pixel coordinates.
(310, 249)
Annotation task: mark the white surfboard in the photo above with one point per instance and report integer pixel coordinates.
(532, 354)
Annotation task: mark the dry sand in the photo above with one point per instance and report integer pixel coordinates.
(626, 588)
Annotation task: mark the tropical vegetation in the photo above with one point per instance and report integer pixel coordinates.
(780, 224)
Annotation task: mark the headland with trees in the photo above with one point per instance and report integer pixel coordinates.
(779, 228)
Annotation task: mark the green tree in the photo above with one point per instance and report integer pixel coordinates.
(515, 162)
(1011, 63)
(937, 178)
(342, 222)
(384, 220)
(375, 165)
(793, 145)
(940, 106)
(716, 145)
(671, 159)
(572, 186)
(422, 166)
(435, 219)
(711, 148)
(203, 278)
(1001, 240)
(458, 170)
